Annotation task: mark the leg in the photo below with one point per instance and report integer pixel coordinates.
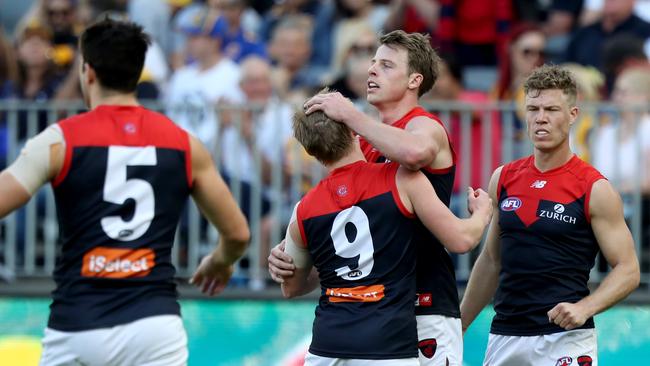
(440, 340)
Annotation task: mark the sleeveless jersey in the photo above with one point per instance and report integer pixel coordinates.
(547, 244)
(359, 236)
(436, 276)
(124, 182)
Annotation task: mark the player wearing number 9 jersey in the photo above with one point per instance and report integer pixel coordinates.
(121, 175)
(357, 227)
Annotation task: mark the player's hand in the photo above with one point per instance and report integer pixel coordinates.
(478, 201)
(334, 105)
(212, 276)
(280, 264)
(568, 316)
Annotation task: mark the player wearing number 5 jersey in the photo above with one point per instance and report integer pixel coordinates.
(357, 228)
(121, 175)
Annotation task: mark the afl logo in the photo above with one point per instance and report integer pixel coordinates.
(510, 204)
(559, 208)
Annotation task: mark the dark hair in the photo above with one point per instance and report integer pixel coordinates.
(422, 58)
(116, 51)
(549, 77)
(322, 137)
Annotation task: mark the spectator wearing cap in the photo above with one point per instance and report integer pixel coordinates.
(194, 90)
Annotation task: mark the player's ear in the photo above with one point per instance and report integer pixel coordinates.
(88, 72)
(415, 80)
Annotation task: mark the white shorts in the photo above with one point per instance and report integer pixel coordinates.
(574, 347)
(440, 340)
(152, 341)
(313, 360)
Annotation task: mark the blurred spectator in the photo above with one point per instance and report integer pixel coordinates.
(194, 90)
(619, 52)
(183, 13)
(239, 14)
(320, 16)
(622, 149)
(351, 67)
(239, 42)
(60, 16)
(265, 125)
(586, 46)
(590, 83)
(476, 30)
(344, 18)
(593, 10)
(285, 9)
(8, 77)
(155, 17)
(37, 76)
(290, 49)
(524, 52)
(361, 40)
(262, 126)
(411, 16)
(449, 87)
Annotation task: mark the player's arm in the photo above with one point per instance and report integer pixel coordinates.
(616, 244)
(217, 204)
(457, 235)
(483, 280)
(303, 280)
(415, 147)
(38, 163)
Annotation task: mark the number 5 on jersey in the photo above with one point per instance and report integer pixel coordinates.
(351, 237)
(118, 189)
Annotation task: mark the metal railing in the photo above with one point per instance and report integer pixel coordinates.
(270, 186)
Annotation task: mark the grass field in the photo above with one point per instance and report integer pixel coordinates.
(251, 333)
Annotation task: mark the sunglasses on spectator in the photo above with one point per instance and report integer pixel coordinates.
(61, 12)
(528, 52)
(363, 48)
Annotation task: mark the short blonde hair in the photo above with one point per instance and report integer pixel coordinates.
(548, 77)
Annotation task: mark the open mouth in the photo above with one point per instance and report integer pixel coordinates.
(541, 133)
(372, 85)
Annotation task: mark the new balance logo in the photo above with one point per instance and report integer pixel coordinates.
(538, 184)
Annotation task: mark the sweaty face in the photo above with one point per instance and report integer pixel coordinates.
(388, 75)
(548, 118)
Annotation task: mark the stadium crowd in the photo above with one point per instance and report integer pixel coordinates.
(230, 72)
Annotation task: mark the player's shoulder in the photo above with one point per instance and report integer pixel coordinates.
(77, 119)
(584, 172)
(517, 166)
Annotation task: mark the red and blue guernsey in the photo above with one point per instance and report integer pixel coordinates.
(547, 244)
(359, 236)
(436, 277)
(124, 182)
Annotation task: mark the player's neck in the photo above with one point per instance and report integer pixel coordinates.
(353, 157)
(548, 160)
(390, 112)
(113, 98)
